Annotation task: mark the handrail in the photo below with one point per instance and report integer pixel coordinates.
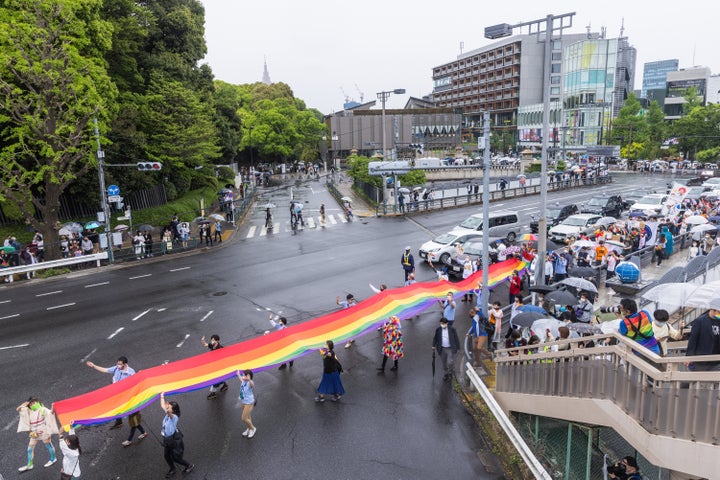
(8, 272)
(655, 391)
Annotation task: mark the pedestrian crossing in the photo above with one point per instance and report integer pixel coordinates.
(311, 224)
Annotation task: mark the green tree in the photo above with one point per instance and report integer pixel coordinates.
(656, 130)
(630, 128)
(698, 130)
(53, 81)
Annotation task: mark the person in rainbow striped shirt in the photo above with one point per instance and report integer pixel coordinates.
(637, 325)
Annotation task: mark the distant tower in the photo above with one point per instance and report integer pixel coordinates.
(266, 75)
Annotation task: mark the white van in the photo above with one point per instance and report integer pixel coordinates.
(501, 224)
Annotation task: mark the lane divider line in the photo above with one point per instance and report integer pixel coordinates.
(115, 333)
(207, 315)
(140, 276)
(61, 306)
(97, 284)
(140, 316)
(15, 346)
(187, 335)
(48, 293)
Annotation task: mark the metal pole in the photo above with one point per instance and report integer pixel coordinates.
(103, 198)
(485, 292)
(542, 220)
(384, 150)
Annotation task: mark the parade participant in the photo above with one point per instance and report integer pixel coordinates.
(637, 325)
(120, 371)
(446, 344)
(70, 447)
(468, 270)
(600, 252)
(410, 280)
(348, 302)
(135, 422)
(663, 330)
(247, 398)
(214, 345)
(172, 438)
(705, 340)
(584, 309)
(479, 335)
(279, 323)
(330, 383)
(448, 304)
(40, 423)
(408, 262)
(515, 286)
(322, 215)
(495, 315)
(392, 343)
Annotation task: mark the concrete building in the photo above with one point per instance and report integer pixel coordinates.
(678, 85)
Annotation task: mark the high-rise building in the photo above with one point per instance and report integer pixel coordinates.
(655, 78)
(679, 84)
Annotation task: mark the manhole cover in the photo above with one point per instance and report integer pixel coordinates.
(219, 294)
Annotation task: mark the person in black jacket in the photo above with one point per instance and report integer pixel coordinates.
(446, 343)
(214, 345)
(705, 340)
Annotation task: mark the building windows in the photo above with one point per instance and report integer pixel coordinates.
(555, 68)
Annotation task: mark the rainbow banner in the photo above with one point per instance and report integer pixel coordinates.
(136, 392)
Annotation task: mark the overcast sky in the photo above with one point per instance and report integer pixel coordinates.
(322, 47)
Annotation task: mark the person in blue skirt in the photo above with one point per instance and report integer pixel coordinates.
(330, 384)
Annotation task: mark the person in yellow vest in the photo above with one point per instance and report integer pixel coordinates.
(408, 262)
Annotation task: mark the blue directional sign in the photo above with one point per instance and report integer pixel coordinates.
(113, 190)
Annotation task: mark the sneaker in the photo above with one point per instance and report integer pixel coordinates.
(50, 463)
(335, 398)
(252, 433)
(170, 473)
(283, 366)
(211, 395)
(319, 399)
(189, 468)
(142, 435)
(245, 433)
(25, 468)
(224, 387)
(349, 343)
(126, 443)
(117, 424)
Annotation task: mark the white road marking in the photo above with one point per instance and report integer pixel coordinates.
(161, 309)
(263, 231)
(10, 316)
(116, 332)
(5, 301)
(61, 306)
(140, 276)
(7, 427)
(251, 233)
(258, 309)
(97, 284)
(143, 313)
(332, 219)
(207, 315)
(15, 346)
(342, 218)
(179, 269)
(187, 335)
(84, 359)
(48, 293)
(311, 222)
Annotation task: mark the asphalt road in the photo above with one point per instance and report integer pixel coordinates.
(397, 425)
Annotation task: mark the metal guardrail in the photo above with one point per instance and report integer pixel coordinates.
(10, 272)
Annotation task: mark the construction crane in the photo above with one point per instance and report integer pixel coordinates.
(362, 95)
(347, 97)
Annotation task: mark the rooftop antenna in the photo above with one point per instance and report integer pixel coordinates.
(462, 47)
(603, 32)
(622, 27)
(588, 28)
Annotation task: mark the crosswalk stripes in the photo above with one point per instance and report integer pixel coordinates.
(311, 223)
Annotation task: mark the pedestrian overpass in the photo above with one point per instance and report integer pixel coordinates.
(669, 415)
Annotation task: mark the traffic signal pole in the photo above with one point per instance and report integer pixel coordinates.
(103, 192)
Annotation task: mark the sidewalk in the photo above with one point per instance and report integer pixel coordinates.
(361, 208)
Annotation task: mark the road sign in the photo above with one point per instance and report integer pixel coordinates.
(114, 198)
(113, 190)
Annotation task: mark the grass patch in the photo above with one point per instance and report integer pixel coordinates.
(51, 272)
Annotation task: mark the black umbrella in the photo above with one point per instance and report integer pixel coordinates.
(433, 362)
(526, 319)
(542, 288)
(582, 272)
(145, 228)
(561, 297)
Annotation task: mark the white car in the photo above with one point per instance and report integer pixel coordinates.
(650, 204)
(442, 247)
(573, 226)
(713, 182)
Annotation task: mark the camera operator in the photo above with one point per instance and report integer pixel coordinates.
(637, 325)
(626, 469)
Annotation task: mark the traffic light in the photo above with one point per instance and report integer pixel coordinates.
(149, 166)
(418, 147)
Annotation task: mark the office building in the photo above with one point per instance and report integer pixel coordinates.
(679, 84)
(654, 79)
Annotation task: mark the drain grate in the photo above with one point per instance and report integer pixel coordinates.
(219, 294)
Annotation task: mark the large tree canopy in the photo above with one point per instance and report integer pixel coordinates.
(53, 83)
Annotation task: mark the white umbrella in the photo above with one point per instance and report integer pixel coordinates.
(268, 205)
(404, 190)
(64, 231)
(583, 243)
(346, 199)
(540, 326)
(580, 284)
(610, 325)
(121, 228)
(697, 230)
(216, 216)
(674, 293)
(696, 220)
(415, 189)
(522, 175)
(702, 296)
(606, 221)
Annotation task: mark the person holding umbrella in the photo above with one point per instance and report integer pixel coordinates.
(446, 344)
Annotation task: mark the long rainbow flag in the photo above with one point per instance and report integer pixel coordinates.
(136, 392)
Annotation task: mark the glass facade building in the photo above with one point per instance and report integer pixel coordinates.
(655, 77)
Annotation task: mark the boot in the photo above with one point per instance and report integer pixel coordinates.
(384, 362)
(395, 365)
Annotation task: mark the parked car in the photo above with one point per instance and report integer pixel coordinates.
(442, 247)
(713, 183)
(649, 204)
(632, 197)
(694, 193)
(573, 226)
(504, 224)
(473, 249)
(554, 215)
(603, 205)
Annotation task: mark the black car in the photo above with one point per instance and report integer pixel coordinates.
(690, 182)
(605, 205)
(554, 215)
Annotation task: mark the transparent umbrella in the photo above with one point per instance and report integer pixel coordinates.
(580, 284)
(675, 293)
(696, 220)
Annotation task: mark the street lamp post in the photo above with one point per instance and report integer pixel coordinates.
(539, 27)
(383, 96)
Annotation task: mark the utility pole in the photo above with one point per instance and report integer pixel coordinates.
(485, 292)
(103, 192)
